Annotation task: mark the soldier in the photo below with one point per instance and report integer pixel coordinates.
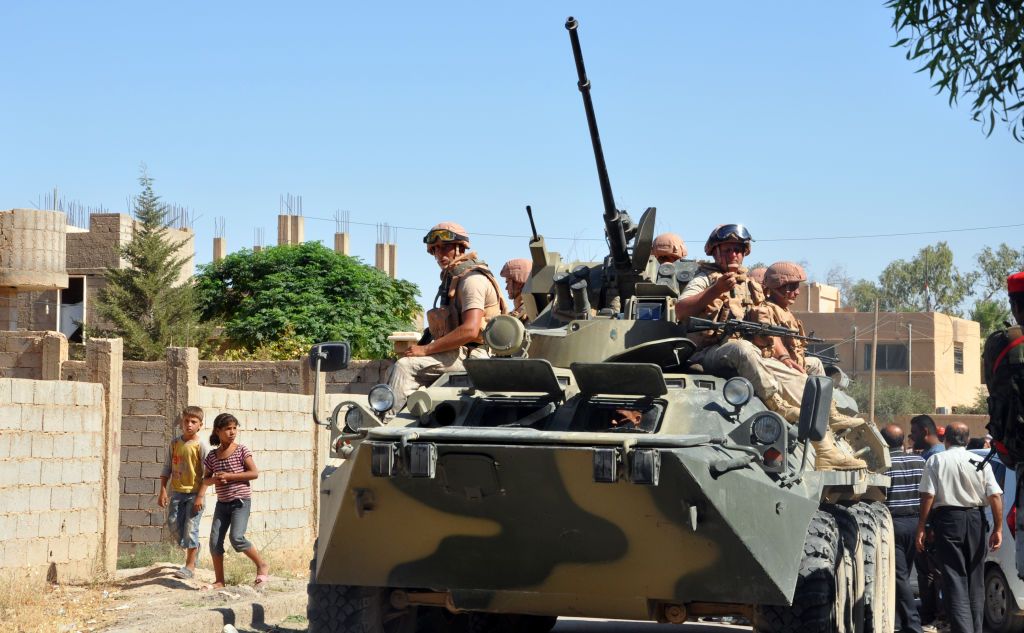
(782, 281)
(757, 274)
(467, 297)
(721, 290)
(1003, 361)
(668, 248)
(515, 272)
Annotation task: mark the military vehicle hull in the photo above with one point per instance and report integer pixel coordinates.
(523, 528)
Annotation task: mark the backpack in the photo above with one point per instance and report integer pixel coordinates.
(1003, 361)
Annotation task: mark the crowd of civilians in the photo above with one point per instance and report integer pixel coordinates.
(937, 498)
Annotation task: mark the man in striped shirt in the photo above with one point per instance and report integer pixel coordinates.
(904, 504)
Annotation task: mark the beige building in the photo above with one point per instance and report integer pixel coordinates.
(929, 351)
(89, 254)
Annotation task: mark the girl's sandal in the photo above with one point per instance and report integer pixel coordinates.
(262, 580)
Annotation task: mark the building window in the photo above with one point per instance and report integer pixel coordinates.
(827, 350)
(958, 358)
(891, 357)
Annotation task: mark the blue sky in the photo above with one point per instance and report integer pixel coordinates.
(797, 119)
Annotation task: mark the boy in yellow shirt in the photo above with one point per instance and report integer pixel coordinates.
(183, 468)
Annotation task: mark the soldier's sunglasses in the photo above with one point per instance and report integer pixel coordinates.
(725, 231)
(443, 235)
(790, 287)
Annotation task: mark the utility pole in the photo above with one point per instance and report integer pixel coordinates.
(874, 361)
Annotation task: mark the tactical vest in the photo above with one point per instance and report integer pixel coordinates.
(446, 314)
(743, 303)
(777, 315)
(1003, 360)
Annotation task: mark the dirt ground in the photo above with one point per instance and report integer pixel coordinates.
(152, 600)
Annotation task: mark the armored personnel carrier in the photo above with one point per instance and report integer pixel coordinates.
(588, 469)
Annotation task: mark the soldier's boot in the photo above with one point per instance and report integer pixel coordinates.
(840, 422)
(779, 405)
(828, 456)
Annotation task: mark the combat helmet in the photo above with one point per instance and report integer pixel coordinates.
(446, 233)
(728, 233)
(668, 245)
(781, 273)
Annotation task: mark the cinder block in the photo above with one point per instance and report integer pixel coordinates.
(53, 420)
(145, 407)
(8, 474)
(89, 521)
(135, 517)
(131, 470)
(28, 473)
(42, 445)
(153, 439)
(43, 392)
(5, 386)
(50, 524)
(71, 472)
(60, 497)
(92, 471)
(31, 418)
(64, 394)
(63, 447)
(151, 471)
(82, 496)
(5, 447)
(147, 534)
(36, 553)
(59, 549)
(141, 486)
(21, 445)
(50, 475)
(28, 525)
(22, 391)
(143, 455)
(73, 419)
(15, 554)
(72, 523)
(10, 414)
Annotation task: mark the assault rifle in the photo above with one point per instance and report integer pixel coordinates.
(746, 329)
(825, 358)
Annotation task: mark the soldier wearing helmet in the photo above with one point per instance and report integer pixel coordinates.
(757, 274)
(1003, 364)
(782, 281)
(515, 272)
(668, 248)
(720, 291)
(467, 297)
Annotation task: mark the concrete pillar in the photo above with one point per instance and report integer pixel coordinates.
(257, 248)
(55, 352)
(104, 362)
(320, 437)
(220, 248)
(341, 243)
(298, 229)
(182, 383)
(393, 260)
(284, 230)
(380, 261)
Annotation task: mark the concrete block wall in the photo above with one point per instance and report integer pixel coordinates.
(32, 355)
(279, 431)
(290, 376)
(51, 469)
(145, 434)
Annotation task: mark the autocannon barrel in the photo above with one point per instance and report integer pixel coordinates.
(613, 221)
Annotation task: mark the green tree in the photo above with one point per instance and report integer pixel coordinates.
(974, 47)
(995, 266)
(144, 303)
(990, 314)
(928, 282)
(302, 294)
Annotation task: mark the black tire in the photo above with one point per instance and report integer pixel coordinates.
(510, 623)
(814, 608)
(1001, 615)
(344, 609)
(878, 543)
(853, 602)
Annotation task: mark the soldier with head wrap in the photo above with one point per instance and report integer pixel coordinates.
(668, 248)
(721, 291)
(782, 281)
(467, 297)
(516, 272)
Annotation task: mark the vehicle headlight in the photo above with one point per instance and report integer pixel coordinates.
(738, 391)
(381, 398)
(353, 418)
(766, 428)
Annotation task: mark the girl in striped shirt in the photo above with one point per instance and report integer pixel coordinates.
(230, 468)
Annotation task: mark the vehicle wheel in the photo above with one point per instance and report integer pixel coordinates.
(510, 623)
(878, 543)
(345, 609)
(852, 600)
(815, 601)
(1001, 614)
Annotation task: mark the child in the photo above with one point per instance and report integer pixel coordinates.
(183, 467)
(230, 467)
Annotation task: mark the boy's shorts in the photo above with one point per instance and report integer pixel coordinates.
(183, 519)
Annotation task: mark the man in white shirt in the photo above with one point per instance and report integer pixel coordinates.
(953, 497)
